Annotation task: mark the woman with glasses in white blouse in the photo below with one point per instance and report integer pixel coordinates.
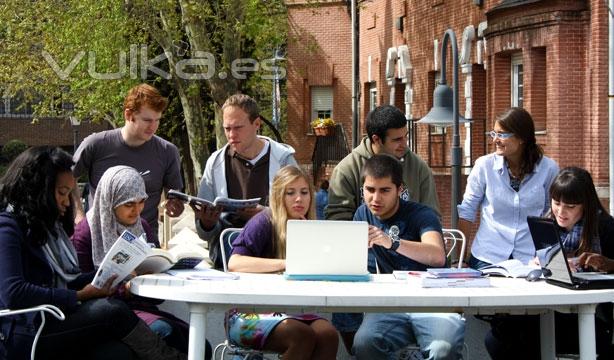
(507, 186)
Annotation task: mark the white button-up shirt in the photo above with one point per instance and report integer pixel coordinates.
(503, 227)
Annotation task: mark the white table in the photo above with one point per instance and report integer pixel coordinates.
(259, 292)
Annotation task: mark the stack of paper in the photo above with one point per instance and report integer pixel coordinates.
(453, 277)
(440, 278)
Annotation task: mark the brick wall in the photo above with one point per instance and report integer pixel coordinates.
(46, 131)
(563, 45)
(319, 48)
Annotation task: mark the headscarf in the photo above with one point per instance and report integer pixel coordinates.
(62, 257)
(119, 185)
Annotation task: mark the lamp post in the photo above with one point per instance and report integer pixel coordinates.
(276, 116)
(75, 122)
(445, 113)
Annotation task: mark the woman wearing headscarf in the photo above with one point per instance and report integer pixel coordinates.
(118, 202)
(38, 265)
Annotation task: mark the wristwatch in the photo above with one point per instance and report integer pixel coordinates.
(395, 242)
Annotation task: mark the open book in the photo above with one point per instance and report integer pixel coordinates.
(228, 205)
(509, 268)
(183, 256)
(130, 253)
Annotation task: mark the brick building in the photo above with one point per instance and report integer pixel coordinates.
(18, 123)
(548, 56)
(45, 131)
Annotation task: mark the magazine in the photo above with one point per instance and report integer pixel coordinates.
(228, 205)
(127, 252)
(509, 268)
(130, 253)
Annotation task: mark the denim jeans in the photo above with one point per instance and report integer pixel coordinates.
(161, 327)
(439, 335)
(347, 322)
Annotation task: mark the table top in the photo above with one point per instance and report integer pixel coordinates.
(383, 293)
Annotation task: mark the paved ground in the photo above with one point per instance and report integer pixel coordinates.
(475, 329)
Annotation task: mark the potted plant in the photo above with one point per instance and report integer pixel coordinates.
(323, 126)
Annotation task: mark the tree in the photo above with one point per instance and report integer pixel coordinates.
(90, 53)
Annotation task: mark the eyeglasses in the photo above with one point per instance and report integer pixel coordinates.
(501, 135)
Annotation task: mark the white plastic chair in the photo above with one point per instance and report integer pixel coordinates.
(227, 236)
(51, 309)
(451, 238)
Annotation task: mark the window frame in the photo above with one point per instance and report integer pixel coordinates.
(516, 80)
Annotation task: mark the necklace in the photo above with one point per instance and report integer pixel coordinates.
(509, 170)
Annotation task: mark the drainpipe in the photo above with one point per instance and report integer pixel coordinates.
(405, 73)
(466, 68)
(355, 77)
(611, 98)
(391, 61)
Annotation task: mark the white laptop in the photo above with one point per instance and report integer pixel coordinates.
(327, 250)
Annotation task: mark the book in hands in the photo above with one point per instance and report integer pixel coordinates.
(127, 252)
(513, 268)
(130, 253)
(226, 204)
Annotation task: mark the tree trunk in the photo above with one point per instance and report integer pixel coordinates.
(195, 126)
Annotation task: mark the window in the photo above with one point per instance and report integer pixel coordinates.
(372, 96)
(321, 102)
(517, 90)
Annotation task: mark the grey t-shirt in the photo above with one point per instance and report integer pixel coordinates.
(157, 160)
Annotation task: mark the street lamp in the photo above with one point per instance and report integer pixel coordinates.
(276, 118)
(445, 113)
(75, 122)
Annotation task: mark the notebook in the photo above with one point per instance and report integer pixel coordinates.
(562, 274)
(327, 250)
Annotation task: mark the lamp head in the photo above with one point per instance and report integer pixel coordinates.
(441, 113)
(74, 121)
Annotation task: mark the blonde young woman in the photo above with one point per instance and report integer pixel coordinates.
(261, 248)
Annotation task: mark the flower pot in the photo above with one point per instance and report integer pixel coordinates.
(324, 131)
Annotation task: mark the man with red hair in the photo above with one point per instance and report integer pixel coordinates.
(136, 145)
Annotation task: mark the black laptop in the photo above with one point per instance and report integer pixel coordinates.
(559, 265)
(543, 233)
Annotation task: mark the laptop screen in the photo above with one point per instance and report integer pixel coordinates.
(559, 268)
(327, 247)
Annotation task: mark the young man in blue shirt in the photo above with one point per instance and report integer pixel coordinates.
(403, 235)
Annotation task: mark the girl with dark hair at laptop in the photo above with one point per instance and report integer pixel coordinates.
(587, 234)
(261, 248)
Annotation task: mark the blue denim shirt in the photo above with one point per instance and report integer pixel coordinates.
(503, 230)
